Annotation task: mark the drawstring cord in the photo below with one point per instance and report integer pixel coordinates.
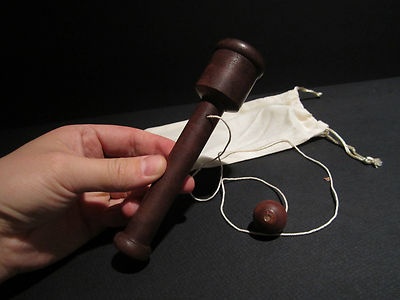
(334, 137)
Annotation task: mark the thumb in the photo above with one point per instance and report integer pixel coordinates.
(116, 174)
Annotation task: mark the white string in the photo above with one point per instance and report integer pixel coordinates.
(218, 157)
(351, 150)
(221, 186)
(306, 90)
(282, 195)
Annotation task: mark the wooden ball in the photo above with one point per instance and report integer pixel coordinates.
(270, 217)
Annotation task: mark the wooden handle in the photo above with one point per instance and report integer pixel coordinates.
(224, 85)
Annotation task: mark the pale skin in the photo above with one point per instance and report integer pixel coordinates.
(68, 185)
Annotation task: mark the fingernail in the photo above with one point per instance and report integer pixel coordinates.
(153, 165)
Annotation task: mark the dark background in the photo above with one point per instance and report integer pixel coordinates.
(136, 64)
(62, 60)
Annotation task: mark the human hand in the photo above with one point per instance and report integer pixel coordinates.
(68, 185)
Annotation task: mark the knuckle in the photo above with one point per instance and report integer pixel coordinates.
(118, 172)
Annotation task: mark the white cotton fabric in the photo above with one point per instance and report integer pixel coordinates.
(258, 123)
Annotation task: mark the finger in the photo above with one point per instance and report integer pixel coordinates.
(129, 207)
(113, 175)
(188, 185)
(131, 204)
(118, 195)
(122, 141)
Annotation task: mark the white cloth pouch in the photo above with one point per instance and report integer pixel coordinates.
(256, 128)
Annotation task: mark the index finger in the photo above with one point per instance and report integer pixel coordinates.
(124, 141)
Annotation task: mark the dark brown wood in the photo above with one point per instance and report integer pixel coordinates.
(224, 85)
(135, 240)
(270, 217)
(231, 74)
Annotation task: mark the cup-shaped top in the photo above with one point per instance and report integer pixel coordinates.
(234, 68)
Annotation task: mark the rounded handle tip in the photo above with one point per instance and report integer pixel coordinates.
(131, 247)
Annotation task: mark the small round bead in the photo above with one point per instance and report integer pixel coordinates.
(269, 216)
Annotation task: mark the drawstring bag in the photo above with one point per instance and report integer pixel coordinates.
(261, 122)
(261, 127)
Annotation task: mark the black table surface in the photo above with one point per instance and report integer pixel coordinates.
(199, 256)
